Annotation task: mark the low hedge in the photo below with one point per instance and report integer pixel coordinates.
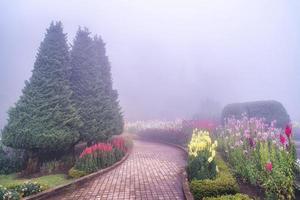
(223, 184)
(230, 197)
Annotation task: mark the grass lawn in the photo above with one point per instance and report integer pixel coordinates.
(49, 180)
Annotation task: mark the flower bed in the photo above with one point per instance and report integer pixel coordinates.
(209, 176)
(99, 156)
(176, 132)
(140, 126)
(17, 191)
(261, 155)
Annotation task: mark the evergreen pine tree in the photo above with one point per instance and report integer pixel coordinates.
(116, 121)
(91, 97)
(44, 119)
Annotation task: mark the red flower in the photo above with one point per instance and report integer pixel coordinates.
(282, 139)
(269, 166)
(288, 130)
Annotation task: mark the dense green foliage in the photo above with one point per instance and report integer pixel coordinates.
(199, 168)
(6, 194)
(10, 161)
(223, 184)
(75, 173)
(44, 119)
(230, 197)
(93, 95)
(68, 98)
(270, 110)
(27, 188)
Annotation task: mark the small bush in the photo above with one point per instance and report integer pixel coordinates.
(74, 173)
(230, 197)
(27, 188)
(6, 194)
(224, 184)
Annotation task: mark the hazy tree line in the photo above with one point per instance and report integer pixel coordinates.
(68, 99)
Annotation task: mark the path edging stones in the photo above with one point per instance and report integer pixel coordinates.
(72, 185)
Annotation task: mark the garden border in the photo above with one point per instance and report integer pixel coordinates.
(185, 183)
(74, 184)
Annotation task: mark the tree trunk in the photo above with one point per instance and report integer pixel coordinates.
(33, 165)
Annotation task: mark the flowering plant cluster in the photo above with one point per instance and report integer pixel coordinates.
(138, 126)
(101, 155)
(261, 154)
(6, 194)
(202, 152)
(17, 191)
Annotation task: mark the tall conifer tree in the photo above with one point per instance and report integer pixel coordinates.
(44, 119)
(116, 121)
(92, 87)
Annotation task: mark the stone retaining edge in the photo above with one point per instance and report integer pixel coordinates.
(72, 185)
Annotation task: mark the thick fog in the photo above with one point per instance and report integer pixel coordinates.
(166, 55)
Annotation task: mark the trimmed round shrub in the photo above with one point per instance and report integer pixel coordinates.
(269, 110)
(224, 184)
(74, 173)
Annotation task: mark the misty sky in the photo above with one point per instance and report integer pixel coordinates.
(167, 55)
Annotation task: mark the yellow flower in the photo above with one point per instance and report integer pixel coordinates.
(210, 159)
(201, 141)
(213, 153)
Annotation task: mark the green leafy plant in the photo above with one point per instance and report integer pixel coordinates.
(201, 162)
(74, 173)
(223, 184)
(229, 197)
(27, 188)
(199, 168)
(6, 194)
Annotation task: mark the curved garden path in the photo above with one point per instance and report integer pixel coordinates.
(152, 171)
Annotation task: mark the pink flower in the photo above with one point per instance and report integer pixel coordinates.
(288, 130)
(282, 139)
(269, 166)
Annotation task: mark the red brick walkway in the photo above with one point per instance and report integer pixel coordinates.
(152, 171)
